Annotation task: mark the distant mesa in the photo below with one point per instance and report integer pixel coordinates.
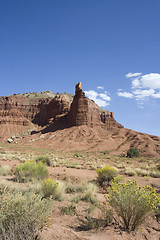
(68, 122)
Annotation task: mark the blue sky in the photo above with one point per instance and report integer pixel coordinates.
(111, 46)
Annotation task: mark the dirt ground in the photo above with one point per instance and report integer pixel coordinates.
(70, 168)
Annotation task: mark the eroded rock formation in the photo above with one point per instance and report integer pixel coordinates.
(62, 121)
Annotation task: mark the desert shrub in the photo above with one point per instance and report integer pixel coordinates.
(158, 167)
(131, 202)
(133, 152)
(69, 210)
(51, 187)
(130, 172)
(141, 172)
(74, 188)
(31, 170)
(106, 174)
(5, 170)
(43, 159)
(22, 215)
(118, 179)
(155, 174)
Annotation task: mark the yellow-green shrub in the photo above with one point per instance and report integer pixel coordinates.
(22, 215)
(31, 170)
(132, 202)
(51, 187)
(106, 174)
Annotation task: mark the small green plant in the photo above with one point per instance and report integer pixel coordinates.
(51, 187)
(132, 202)
(22, 215)
(30, 171)
(69, 210)
(43, 159)
(90, 193)
(5, 170)
(133, 152)
(106, 174)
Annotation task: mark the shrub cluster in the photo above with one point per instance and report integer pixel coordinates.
(31, 170)
(22, 215)
(132, 202)
(106, 174)
(133, 152)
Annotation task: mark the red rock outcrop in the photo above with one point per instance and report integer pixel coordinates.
(85, 112)
(60, 121)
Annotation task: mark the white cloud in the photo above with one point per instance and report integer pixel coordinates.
(100, 87)
(91, 94)
(136, 83)
(156, 95)
(125, 94)
(100, 99)
(101, 103)
(129, 75)
(105, 96)
(143, 86)
(151, 80)
(142, 94)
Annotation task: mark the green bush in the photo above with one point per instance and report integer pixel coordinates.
(30, 171)
(106, 174)
(131, 202)
(43, 159)
(133, 152)
(51, 187)
(22, 215)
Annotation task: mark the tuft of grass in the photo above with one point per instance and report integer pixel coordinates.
(130, 172)
(5, 170)
(155, 174)
(69, 210)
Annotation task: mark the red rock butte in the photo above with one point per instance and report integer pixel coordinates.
(64, 122)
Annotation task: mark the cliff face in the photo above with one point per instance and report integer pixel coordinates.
(85, 112)
(62, 122)
(25, 110)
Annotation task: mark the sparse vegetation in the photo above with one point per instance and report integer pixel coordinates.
(22, 215)
(43, 159)
(51, 187)
(30, 171)
(5, 170)
(69, 210)
(131, 202)
(106, 174)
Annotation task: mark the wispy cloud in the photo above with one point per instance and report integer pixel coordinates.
(101, 99)
(143, 86)
(125, 94)
(129, 75)
(100, 87)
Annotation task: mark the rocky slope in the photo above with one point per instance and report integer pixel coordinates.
(65, 122)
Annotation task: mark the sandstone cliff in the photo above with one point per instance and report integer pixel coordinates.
(64, 122)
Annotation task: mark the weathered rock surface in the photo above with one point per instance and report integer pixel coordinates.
(62, 122)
